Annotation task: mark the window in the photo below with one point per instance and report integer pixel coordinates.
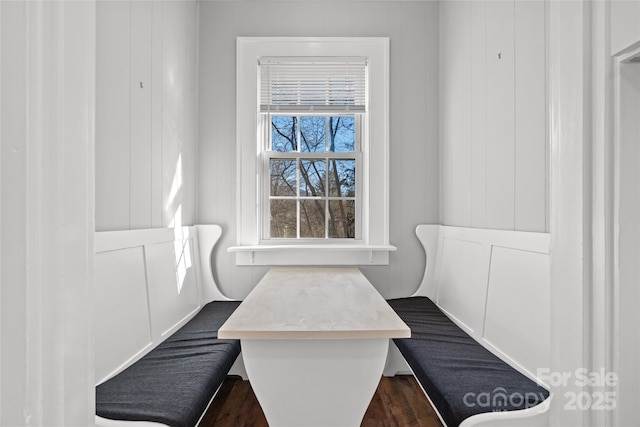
(314, 164)
(312, 126)
(311, 110)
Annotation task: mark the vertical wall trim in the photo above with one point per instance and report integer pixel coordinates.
(1, 245)
(626, 225)
(602, 338)
(47, 356)
(13, 194)
(515, 119)
(160, 143)
(493, 108)
(196, 163)
(130, 183)
(570, 103)
(157, 219)
(547, 115)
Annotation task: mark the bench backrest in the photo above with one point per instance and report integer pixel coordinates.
(495, 285)
(148, 284)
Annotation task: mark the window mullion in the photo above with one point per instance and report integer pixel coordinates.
(311, 155)
(327, 136)
(299, 172)
(326, 198)
(359, 194)
(298, 177)
(325, 156)
(298, 135)
(266, 177)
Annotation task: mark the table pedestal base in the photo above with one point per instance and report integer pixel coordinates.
(305, 383)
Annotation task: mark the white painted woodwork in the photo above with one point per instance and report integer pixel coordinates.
(120, 288)
(105, 422)
(140, 91)
(47, 110)
(455, 108)
(173, 287)
(149, 283)
(208, 236)
(325, 254)
(413, 29)
(536, 416)
(465, 292)
(412, 25)
(339, 378)
(146, 114)
(481, 277)
(179, 101)
(625, 25)
(478, 123)
(518, 289)
(569, 27)
(600, 324)
(324, 330)
(495, 285)
(494, 156)
(113, 115)
(530, 110)
(156, 112)
(374, 173)
(627, 238)
(314, 303)
(500, 113)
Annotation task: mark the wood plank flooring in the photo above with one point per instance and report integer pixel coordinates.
(398, 402)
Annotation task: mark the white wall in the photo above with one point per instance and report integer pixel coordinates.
(47, 87)
(628, 242)
(493, 117)
(146, 114)
(413, 31)
(625, 24)
(625, 45)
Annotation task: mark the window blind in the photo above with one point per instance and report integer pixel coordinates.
(327, 84)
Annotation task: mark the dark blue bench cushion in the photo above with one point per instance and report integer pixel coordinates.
(461, 377)
(174, 383)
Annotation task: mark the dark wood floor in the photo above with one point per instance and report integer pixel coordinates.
(398, 402)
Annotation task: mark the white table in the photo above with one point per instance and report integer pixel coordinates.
(314, 343)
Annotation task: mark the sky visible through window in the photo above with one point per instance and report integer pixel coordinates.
(313, 197)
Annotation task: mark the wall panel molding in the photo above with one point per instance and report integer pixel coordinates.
(493, 109)
(47, 113)
(146, 104)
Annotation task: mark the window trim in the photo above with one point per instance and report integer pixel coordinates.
(374, 247)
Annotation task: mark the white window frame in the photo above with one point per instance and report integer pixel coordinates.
(373, 246)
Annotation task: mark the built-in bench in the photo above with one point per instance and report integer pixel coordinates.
(158, 309)
(479, 326)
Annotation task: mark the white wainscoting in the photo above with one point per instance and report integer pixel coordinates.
(495, 285)
(148, 284)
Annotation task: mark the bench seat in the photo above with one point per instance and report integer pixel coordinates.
(461, 377)
(174, 383)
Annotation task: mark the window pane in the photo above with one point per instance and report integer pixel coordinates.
(342, 215)
(283, 218)
(283, 133)
(312, 176)
(283, 177)
(342, 178)
(313, 133)
(343, 136)
(312, 214)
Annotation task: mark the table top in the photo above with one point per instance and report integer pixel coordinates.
(314, 303)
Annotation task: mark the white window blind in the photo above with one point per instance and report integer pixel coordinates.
(325, 84)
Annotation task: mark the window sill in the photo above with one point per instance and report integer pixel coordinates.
(309, 254)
